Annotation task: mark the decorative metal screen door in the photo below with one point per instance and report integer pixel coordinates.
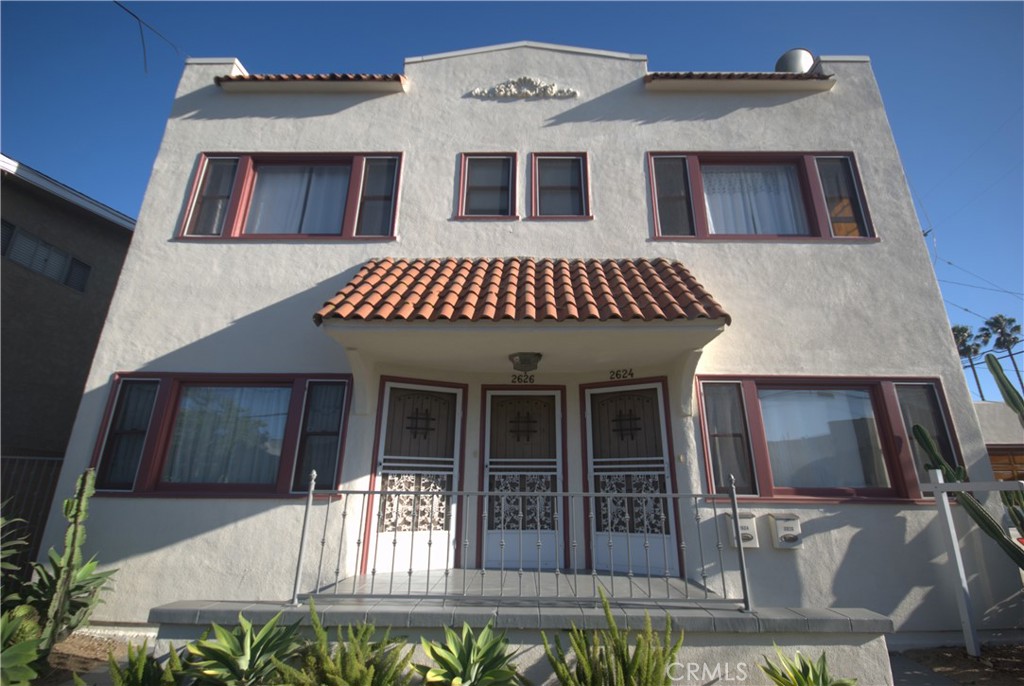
(414, 516)
(632, 526)
(523, 455)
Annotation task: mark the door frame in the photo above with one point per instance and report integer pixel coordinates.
(660, 383)
(383, 397)
(486, 391)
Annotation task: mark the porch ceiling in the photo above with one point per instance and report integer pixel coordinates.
(567, 347)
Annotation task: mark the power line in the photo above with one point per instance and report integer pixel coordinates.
(978, 276)
(964, 309)
(995, 290)
(142, 36)
(987, 188)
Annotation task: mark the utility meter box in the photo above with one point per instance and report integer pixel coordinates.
(786, 532)
(748, 529)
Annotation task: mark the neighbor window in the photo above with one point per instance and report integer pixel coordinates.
(560, 185)
(821, 438)
(774, 195)
(41, 257)
(260, 434)
(274, 195)
(488, 185)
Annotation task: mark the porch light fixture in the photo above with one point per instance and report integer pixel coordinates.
(525, 362)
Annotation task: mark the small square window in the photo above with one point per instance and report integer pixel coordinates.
(488, 186)
(560, 186)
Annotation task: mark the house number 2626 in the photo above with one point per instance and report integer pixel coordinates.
(522, 378)
(617, 374)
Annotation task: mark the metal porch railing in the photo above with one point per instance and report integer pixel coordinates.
(552, 545)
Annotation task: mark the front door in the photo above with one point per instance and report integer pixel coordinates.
(523, 454)
(414, 518)
(632, 528)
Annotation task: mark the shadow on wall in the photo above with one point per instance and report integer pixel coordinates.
(204, 103)
(629, 103)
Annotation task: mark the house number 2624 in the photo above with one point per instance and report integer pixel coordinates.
(617, 374)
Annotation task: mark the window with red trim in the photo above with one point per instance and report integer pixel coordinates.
(827, 438)
(488, 187)
(560, 186)
(196, 432)
(288, 196)
(757, 194)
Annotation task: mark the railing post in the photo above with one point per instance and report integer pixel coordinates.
(963, 596)
(739, 543)
(302, 538)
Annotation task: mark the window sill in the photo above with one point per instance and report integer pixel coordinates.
(778, 238)
(486, 218)
(561, 217)
(822, 500)
(209, 494)
(286, 237)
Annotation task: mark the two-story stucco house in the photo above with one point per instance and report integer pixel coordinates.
(530, 307)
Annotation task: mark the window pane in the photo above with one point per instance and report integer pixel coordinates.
(822, 438)
(488, 186)
(673, 194)
(376, 206)
(214, 198)
(8, 233)
(321, 436)
(560, 186)
(293, 199)
(127, 434)
(754, 199)
(728, 441)
(23, 248)
(226, 434)
(920, 405)
(841, 197)
(77, 276)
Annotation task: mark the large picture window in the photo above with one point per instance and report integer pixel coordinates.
(283, 196)
(839, 438)
(225, 432)
(756, 195)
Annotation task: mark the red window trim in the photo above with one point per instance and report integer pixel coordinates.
(161, 422)
(245, 179)
(460, 212)
(896, 439)
(810, 187)
(535, 215)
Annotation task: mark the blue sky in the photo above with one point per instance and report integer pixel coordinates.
(79, 103)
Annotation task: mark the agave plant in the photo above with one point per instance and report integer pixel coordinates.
(243, 656)
(470, 660)
(357, 661)
(142, 669)
(605, 658)
(801, 672)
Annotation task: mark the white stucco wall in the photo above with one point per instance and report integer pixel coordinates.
(869, 309)
(999, 424)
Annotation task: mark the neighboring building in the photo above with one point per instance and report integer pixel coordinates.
(62, 254)
(1004, 438)
(532, 269)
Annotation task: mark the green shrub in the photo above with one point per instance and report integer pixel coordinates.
(801, 672)
(467, 659)
(604, 657)
(242, 657)
(18, 655)
(143, 670)
(357, 661)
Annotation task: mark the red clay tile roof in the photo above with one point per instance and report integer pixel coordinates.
(493, 289)
(308, 77)
(733, 76)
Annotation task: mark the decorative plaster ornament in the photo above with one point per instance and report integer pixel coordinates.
(524, 87)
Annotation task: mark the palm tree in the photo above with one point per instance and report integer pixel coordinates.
(968, 346)
(1005, 333)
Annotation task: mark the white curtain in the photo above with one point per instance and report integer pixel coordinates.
(822, 438)
(754, 199)
(226, 435)
(298, 199)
